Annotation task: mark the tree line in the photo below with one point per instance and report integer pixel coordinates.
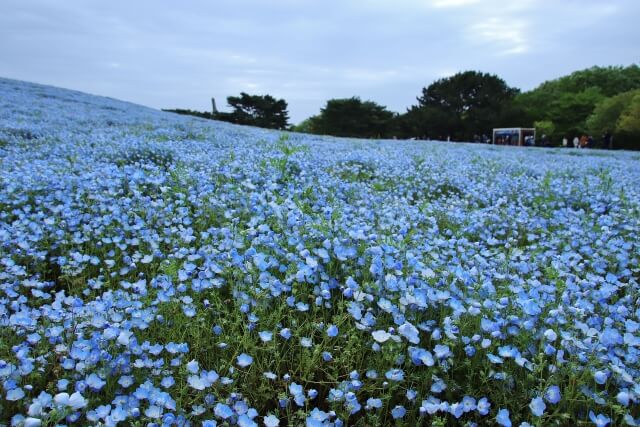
(254, 110)
(468, 105)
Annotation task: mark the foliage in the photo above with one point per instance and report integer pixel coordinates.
(186, 112)
(305, 126)
(254, 110)
(462, 105)
(570, 100)
(615, 116)
(629, 121)
(352, 117)
(544, 127)
(607, 113)
(262, 111)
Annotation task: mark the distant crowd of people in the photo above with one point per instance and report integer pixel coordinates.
(583, 141)
(528, 140)
(587, 141)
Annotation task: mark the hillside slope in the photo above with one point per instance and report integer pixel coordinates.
(161, 268)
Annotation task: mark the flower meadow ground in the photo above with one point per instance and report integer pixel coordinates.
(158, 269)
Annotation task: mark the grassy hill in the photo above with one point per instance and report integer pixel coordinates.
(157, 268)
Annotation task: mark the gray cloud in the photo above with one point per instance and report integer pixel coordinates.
(166, 54)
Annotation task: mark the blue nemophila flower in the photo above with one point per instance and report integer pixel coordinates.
(74, 401)
(39, 405)
(398, 412)
(438, 385)
(285, 333)
(623, 398)
(420, 356)
(537, 406)
(410, 332)
(126, 381)
(15, 394)
(430, 406)
(317, 418)
(494, 359)
(153, 411)
(394, 375)
(456, 409)
(552, 394)
(265, 336)
(297, 391)
(245, 420)
(483, 406)
(442, 351)
(193, 367)
(244, 360)
(374, 403)
(610, 337)
(550, 335)
(503, 418)
(468, 404)
(271, 421)
(332, 331)
(223, 411)
(197, 382)
(600, 377)
(600, 420)
(351, 403)
(95, 382)
(167, 382)
(381, 336)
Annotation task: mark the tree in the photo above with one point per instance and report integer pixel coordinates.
(305, 126)
(606, 114)
(629, 121)
(352, 117)
(462, 105)
(201, 114)
(255, 110)
(619, 116)
(544, 127)
(570, 100)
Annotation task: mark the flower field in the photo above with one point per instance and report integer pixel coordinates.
(158, 269)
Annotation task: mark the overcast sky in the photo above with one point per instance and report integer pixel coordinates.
(168, 54)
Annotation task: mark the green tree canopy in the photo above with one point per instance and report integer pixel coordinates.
(607, 113)
(570, 100)
(629, 121)
(256, 110)
(463, 105)
(620, 117)
(352, 117)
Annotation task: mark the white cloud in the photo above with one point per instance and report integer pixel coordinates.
(507, 34)
(452, 3)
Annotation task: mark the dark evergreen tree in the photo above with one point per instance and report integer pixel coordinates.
(256, 110)
(352, 117)
(461, 106)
